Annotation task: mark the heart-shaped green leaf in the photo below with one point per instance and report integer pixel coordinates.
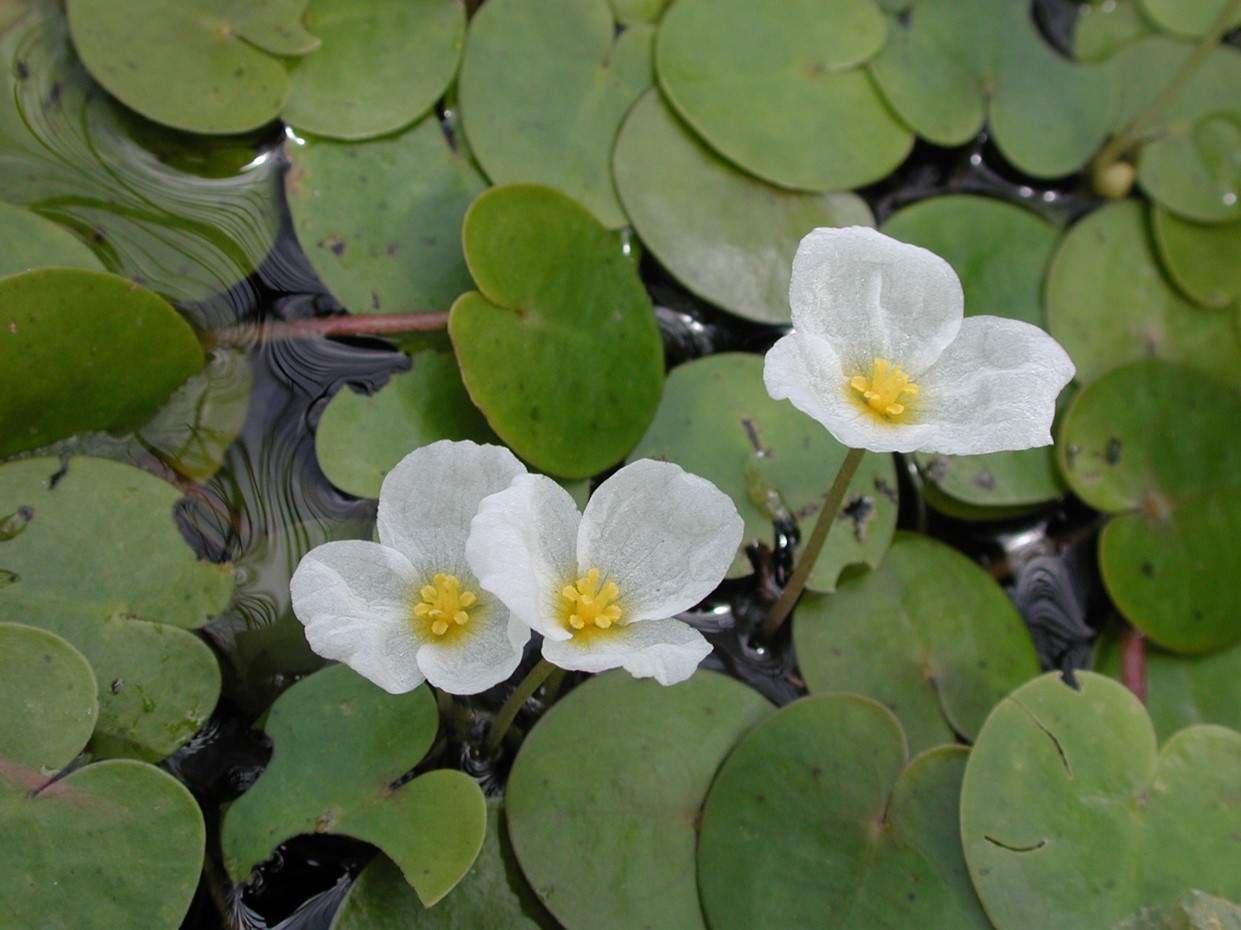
(604, 797)
(85, 350)
(717, 420)
(814, 820)
(544, 87)
(1070, 816)
(628, 12)
(1200, 258)
(28, 241)
(776, 89)
(1102, 28)
(342, 746)
(1145, 442)
(381, 220)
(1191, 19)
(927, 633)
(724, 234)
(558, 347)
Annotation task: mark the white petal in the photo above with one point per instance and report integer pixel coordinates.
(994, 388)
(427, 501)
(521, 549)
(872, 297)
(666, 538)
(355, 599)
(488, 653)
(666, 650)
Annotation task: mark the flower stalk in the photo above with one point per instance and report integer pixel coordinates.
(513, 705)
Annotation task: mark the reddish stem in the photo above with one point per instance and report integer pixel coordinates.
(1133, 662)
(378, 325)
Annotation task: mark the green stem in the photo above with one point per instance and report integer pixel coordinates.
(814, 545)
(391, 324)
(516, 700)
(1131, 135)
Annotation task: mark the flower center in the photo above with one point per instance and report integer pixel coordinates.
(586, 606)
(443, 605)
(885, 388)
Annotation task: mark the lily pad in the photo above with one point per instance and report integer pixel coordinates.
(91, 552)
(342, 745)
(815, 820)
(28, 241)
(493, 895)
(1106, 823)
(927, 633)
(558, 346)
(717, 420)
(381, 220)
(85, 350)
(1190, 19)
(776, 89)
(959, 63)
(383, 64)
(1191, 911)
(628, 12)
(49, 700)
(1144, 443)
(1001, 253)
(208, 66)
(544, 87)
(360, 438)
(1102, 28)
(604, 797)
(727, 236)
(1183, 690)
(1200, 258)
(1109, 303)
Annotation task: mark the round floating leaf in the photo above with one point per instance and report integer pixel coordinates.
(1183, 690)
(28, 241)
(628, 12)
(1200, 259)
(954, 61)
(1191, 19)
(381, 220)
(1191, 911)
(1102, 28)
(90, 551)
(370, 49)
(360, 438)
(1108, 302)
(544, 87)
(1071, 818)
(773, 88)
(558, 347)
(1001, 253)
(814, 820)
(727, 236)
(1145, 442)
(717, 420)
(492, 896)
(47, 690)
(341, 743)
(604, 797)
(85, 350)
(927, 633)
(207, 66)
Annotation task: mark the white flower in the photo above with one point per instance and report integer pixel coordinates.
(601, 586)
(880, 354)
(408, 608)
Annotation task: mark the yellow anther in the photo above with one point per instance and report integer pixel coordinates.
(587, 606)
(443, 605)
(883, 391)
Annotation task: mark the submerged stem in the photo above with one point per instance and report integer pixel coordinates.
(1133, 662)
(508, 713)
(814, 545)
(391, 324)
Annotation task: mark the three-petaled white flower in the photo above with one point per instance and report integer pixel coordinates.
(408, 608)
(880, 354)
(601, 586)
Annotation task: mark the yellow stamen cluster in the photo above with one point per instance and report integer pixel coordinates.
(885, 388)
(444, 604)
(586, 606)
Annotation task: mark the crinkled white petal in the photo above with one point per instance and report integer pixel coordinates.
(994, 388)
(522, 549)
(664, 536)
(872, 297)
(355, 599)
(427, 501)
(804, 369)
(486, 652)
(666, 650)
